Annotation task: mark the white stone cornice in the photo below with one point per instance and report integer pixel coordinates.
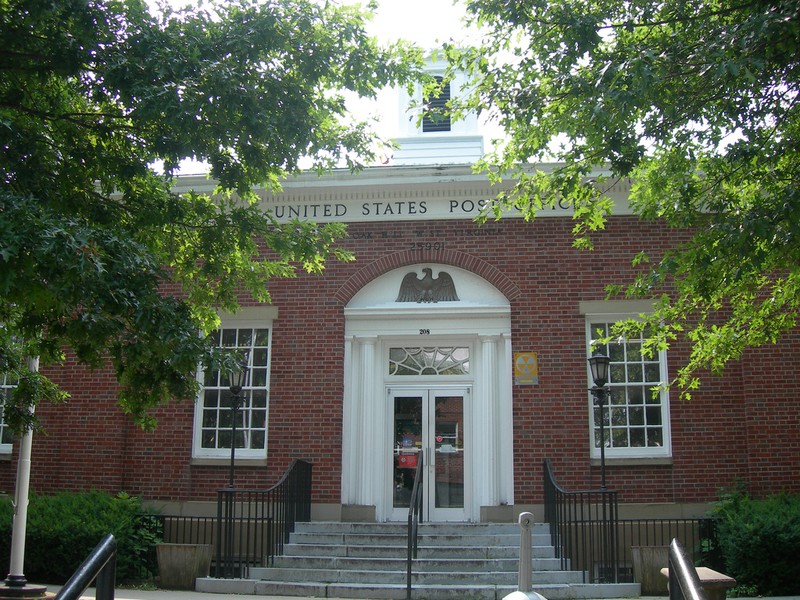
(396, 193)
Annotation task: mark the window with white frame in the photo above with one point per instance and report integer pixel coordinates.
(213, 414)
(636, 413)
(7, 385)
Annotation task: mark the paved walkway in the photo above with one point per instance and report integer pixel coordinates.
(124, 594)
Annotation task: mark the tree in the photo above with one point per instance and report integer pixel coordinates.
(697, 103)
(97, 254)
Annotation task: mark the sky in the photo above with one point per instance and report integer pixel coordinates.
(426, 22)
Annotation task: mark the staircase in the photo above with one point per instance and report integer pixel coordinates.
(368, 560)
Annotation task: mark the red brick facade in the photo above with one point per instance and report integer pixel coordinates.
(742, 426)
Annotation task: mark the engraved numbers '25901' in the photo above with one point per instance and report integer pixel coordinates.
(420, 246)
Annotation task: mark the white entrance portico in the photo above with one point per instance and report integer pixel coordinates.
(428, 371)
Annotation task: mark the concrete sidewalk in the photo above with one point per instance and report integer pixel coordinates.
(125, 594)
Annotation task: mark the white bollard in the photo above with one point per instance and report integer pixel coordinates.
(525, 562)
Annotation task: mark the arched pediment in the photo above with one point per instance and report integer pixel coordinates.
(429, 286)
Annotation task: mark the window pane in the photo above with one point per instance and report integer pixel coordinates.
(262, 337)
(260, 357)
(597, 438)
(655, 437)
(597, 416)
(637, 438)
(245, 338)
(259, 399)
(652, 373)
(211, 378)
(652, 396)
(225, 438)
(258, 419)
(258, 378)
(620, 438)
(636, 394)
(209, 419)
(229, 337)
(598, 330)
(619, 416)
(209, 439)
(257, 440)
(618, 396)
(211, 398)
(653, 415)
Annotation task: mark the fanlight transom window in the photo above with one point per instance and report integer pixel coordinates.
(451, 360)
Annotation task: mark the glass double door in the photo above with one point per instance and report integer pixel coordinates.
(428, 428)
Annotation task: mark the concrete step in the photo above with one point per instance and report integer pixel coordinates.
(426, 551)
(455, 560)
(419, 592)
(314, 564)
(379, 576)
(400, 539)
(424, 528)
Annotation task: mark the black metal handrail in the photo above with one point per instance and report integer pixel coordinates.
(100, 565)
(584, 529)
(414, 517)
(253, 525)
(684, 583)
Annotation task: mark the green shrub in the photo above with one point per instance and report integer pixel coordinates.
(760, 541)
(64, 528)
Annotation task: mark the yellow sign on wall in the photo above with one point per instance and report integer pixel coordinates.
(526, 368)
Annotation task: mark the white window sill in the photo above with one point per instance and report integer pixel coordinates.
(218, 461)
(633, 461)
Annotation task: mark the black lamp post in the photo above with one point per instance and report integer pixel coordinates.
(599, 367)
(238, 379)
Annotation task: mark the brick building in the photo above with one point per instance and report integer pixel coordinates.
(466, 344)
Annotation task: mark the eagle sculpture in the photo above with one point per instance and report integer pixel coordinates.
(427, 289)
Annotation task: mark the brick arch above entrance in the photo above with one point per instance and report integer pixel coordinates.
(390, 262)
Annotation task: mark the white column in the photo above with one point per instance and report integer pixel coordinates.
(505, 424)
(367, 420)
(16, 576)
(350, 425)
(487, 477)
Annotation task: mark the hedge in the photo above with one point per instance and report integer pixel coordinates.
(63, 529)
(760, 541)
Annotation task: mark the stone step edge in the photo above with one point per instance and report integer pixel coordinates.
(572, 591)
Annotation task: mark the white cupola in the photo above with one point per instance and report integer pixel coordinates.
(436, 141)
